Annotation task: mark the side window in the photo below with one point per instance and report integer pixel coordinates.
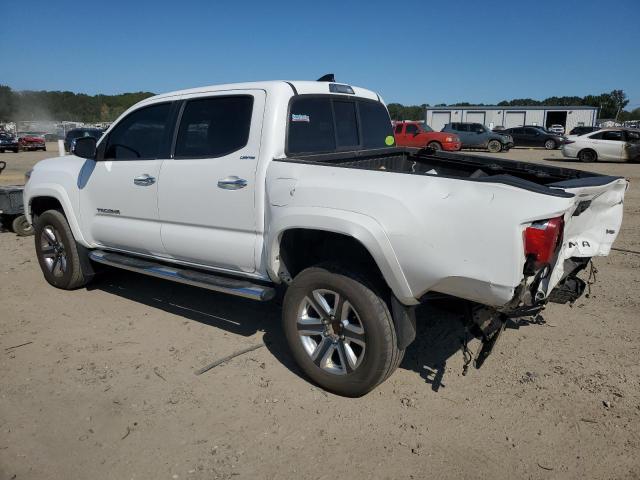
(346, 123)
(530, 131)
(214, 126)
(596, 136)
(399, 128)
(615, 135)
(311, 126)
(141, 135)
(411, 129)
(517, 131)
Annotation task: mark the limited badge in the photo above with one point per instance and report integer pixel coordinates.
(390, 140)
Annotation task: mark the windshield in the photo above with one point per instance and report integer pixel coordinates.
(425, 128)
(324, 123)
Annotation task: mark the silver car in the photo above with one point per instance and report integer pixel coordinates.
(613, 144)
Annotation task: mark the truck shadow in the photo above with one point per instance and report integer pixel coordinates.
(440, 327)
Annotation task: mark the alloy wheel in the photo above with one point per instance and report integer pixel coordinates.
(331, 332)
(53, 251)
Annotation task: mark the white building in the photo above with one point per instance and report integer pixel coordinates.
(494, 116)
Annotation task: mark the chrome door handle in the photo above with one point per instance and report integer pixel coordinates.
(144, 180)
(232, 183)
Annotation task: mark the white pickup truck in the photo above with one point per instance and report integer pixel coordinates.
(252, 188)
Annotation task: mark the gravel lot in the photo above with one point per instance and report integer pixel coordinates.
(104, 386)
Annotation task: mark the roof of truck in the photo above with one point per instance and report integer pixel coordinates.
(294, 86)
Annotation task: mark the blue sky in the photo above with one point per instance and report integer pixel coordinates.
(411, 52)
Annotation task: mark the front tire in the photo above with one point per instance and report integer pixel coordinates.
(494, 146)
(340, 331)
(434, 146)
(58, 254)
(550, 145)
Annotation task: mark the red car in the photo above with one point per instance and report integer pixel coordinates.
(414, 134)
(31, 141)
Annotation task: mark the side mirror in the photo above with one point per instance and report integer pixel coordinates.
(85, 147)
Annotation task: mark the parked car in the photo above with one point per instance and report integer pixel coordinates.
(294, 185)
(582, 130)
(532, 136)
(31, 141)
(614, 144)
(72, 135)
(8, 142)
(476, 135)
(555, 128)
(414, 134)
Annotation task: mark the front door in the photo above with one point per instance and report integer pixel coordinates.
(119, 190)
(206, 193)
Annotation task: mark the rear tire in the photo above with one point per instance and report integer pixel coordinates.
(494, 146)
(340, 331)
(434, 146)
(587, 156)
(21, 226)
(550, 145)
(58, 253)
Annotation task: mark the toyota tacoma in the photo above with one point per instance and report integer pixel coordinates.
(250, 189)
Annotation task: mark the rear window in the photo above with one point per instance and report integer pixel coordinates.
(322, 124)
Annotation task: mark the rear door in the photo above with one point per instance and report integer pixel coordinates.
(119, 191)
(206, 195)
(609, 144)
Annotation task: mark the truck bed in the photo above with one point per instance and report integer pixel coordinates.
(538, 178)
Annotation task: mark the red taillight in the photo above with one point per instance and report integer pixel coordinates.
(541, 239)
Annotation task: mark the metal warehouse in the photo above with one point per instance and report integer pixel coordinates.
(494, 116)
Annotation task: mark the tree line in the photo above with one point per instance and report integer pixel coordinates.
(59, 106)
(611, 105)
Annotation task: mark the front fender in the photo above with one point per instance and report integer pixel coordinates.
(70, 206)
(361, 227)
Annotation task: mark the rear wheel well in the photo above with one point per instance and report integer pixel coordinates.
(39, 205)
(591, 150)
(301, 248)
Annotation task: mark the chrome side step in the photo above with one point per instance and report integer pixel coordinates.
(241, 288)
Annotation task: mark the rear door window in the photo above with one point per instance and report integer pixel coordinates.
(214, 126)
(141, 135)
(615, 135)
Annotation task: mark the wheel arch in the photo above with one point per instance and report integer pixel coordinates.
(588, 149)
(40, 200)
(362, 237)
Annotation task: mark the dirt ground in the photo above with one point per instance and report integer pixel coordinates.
(103, 386)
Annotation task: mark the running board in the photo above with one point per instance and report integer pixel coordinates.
(217, 283)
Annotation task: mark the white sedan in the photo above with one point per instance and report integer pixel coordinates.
(617, 144)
